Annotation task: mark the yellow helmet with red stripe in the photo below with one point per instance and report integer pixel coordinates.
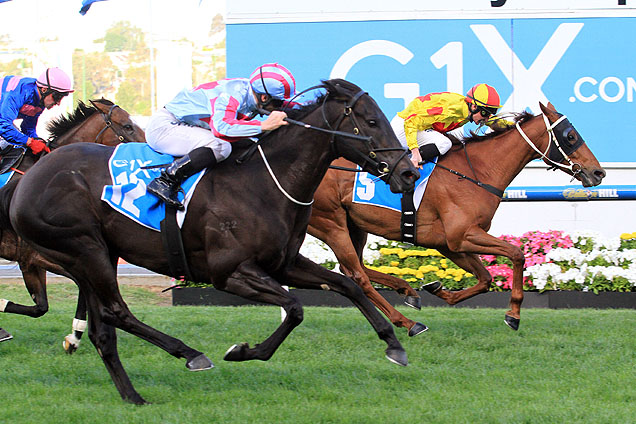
(484, 96)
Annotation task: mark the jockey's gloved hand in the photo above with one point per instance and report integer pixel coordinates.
(37, 145)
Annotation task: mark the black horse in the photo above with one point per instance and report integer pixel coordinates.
(101, 122)
(244, 227)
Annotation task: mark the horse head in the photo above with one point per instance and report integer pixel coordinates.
(569, 151)
(104, 122)
(369, 140)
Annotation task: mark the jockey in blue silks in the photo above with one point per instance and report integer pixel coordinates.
(199, 124)
(25, 98)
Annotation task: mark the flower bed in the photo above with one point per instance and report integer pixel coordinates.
(555, 260)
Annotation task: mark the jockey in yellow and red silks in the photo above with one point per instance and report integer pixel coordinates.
(427, 118)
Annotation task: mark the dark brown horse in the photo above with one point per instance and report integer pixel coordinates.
(454, 214)
(102, 123)
(242, 233)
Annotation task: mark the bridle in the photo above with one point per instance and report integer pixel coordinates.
(555, 157)
(109, 124)
(383, 168)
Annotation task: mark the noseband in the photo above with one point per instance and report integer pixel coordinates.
(109, 124)
(561, 152)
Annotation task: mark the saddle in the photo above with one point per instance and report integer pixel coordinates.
(10, 157)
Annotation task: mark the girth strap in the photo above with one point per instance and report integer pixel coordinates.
(172, 242)
(408, 220)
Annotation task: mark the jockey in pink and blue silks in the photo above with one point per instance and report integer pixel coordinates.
(25, 98)
(199, 124)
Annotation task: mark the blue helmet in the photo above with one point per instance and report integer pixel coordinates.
(274, 80)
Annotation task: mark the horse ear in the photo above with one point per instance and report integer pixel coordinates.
(550, 107)
(547, 109)
(99, 106)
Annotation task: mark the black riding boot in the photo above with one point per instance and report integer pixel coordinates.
(167, 185)
(429, 152)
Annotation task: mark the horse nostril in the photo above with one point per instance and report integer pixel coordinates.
(600, 173)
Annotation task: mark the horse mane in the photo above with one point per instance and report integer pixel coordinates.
(335, 88)
(474, 137)
(62, 124)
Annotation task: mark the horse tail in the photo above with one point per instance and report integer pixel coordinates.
(6, 193)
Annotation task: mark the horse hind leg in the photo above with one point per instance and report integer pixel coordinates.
(35, 281)
(72, 340)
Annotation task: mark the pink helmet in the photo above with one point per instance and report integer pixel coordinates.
(55, 79)
(275, 80)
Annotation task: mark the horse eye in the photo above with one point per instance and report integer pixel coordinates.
(571, 137)
(372, 122)
(128, 127)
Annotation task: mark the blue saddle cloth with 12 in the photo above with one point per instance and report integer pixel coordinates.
(128, 195)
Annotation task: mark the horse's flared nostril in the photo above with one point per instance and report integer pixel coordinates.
(410, 176)
(600, 173)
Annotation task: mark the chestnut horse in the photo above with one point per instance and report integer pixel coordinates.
(103, 123)
(242, 232)
(454, 214)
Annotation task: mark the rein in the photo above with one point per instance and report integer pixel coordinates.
(383, 168)
(575, 168)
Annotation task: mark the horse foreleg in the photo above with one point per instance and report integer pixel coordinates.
(361, 279)
(470, 263)
(411, 299)
(348, 251)
(104, 339)
(477, 241)
(72, 341)
(35, 282)
(250, 281)
(306, 274)
(358, 238)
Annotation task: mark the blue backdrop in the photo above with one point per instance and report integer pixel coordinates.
(585, 67)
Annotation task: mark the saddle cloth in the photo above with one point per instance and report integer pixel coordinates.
(370, 191)
(127, 194)
(5, 178)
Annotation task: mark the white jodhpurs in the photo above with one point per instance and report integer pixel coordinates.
(166, 134)
(442, 142)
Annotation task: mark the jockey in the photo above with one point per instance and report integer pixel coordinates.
(199, 124)
(422, 125)
(26, 98)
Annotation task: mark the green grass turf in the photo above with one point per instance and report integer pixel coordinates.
(563, 366)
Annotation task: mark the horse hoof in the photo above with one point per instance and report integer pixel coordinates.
(433, 287)
(397, 356)
(70, 344)
(512, 322)
(418, 328)
(5, 335)
(236, 352)
(200, 363)
(413, 301)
